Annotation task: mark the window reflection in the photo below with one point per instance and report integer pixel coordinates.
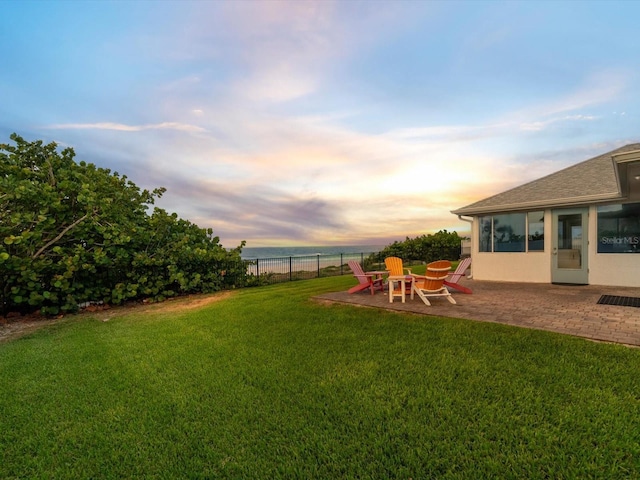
(619, 228)
(509, 232)
(535, 228)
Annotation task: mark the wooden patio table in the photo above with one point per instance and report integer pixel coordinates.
(403, 280)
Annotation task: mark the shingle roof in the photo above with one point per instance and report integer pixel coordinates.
(593, 180)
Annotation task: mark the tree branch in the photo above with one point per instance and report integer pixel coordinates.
(59, 236)
(52, 178)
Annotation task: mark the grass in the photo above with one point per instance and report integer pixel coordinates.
(270, 384)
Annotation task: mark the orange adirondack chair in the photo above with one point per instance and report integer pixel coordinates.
(370, 280)
(454, 278)
(432, 283)
(397, 278)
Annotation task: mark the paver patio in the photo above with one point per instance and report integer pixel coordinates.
(566, 309)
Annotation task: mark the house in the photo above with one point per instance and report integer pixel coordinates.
(580, 225)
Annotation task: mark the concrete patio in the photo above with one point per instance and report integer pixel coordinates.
(571, 310)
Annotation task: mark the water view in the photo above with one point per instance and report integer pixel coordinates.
(305, 262)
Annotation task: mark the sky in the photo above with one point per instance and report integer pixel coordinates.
(288, 123)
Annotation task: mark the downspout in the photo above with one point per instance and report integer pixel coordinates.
(470, 221)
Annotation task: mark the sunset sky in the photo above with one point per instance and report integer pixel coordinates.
(321, 122)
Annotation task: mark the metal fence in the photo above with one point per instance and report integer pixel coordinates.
(264, 271)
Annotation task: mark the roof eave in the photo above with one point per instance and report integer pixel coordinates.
(556, 203)
(625, 157)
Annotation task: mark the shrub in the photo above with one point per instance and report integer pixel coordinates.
(72, 233)
(426, 248)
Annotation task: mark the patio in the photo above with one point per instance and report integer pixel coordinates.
(568, 309)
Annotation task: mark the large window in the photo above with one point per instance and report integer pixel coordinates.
(619, 228)
(512, 232)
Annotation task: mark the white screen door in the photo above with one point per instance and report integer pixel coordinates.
(570, 246)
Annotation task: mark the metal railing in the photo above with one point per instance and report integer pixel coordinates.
(264, 271)
(465, 247)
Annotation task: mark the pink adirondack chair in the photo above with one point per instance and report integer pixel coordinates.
(370, 280)
(453, 278)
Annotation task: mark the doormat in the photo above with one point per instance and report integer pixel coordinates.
(620, 301)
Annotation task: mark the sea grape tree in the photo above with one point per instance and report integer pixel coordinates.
(442, 245)
(71, 232)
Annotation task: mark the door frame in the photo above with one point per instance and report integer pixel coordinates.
(580, 274)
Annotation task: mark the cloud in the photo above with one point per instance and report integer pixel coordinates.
(125, 128)
(298, 178)
(277, 84)
(279, 51)
(253, 210)
(468, 133)
(307, 178)
(597, 89)
(541, 125)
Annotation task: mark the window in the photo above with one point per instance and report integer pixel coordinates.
(535, 231)
(512, 232)
(509, 232)
(619, 228)
(486, 226)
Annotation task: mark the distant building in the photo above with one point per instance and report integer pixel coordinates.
(580, 225)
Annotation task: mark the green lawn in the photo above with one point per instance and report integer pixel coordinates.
(270, 384)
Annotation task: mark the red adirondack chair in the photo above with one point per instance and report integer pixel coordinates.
(370, 280)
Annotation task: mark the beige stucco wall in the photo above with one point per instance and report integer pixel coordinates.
(604, 268)
(512, 267)
(614, 269)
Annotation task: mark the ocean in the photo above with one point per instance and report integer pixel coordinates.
(249, 253)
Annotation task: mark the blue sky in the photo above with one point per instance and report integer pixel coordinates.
(319, 123)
